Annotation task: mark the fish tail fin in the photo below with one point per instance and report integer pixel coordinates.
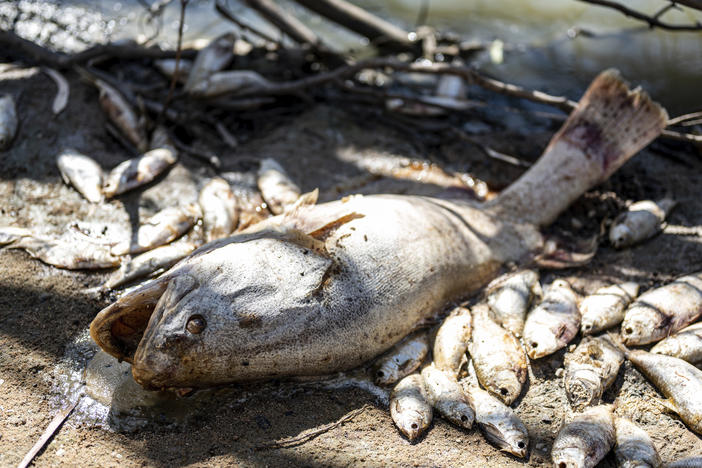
(609, 125)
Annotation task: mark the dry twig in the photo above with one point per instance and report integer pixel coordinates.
(653, 21)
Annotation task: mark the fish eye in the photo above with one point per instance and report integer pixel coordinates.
(521, 444)
(196, 324)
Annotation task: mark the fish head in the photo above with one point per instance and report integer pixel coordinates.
(507, 385)
(410, 421)
(643, 324)
(570, 457)
(232, 311)
(387, 372)
(589, 325)
(507, 439)
(540, 342)
(620, 235)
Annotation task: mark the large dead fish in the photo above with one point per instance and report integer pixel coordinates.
(590, 369)
(678, 380)
(662, 311)
(499, 359)
(8, 121)
(685, 344)
(333, 285)
(585, 440)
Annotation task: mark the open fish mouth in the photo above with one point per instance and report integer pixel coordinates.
(119, 328)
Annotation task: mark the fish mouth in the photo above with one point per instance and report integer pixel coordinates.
(119, 328)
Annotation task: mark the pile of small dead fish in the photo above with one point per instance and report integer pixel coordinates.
(479, 366)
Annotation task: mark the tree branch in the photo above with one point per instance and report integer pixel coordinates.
(652, 21)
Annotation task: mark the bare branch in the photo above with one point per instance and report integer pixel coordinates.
(287, 23)
(684, 118)
(223, 10)
(652, 21)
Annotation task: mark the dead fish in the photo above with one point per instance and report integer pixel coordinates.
(498, 422)
(606, 307)
(499, 359)
(213, 58)
(276, 187)
(82, 172)
(8, 121)
(409, 407)
(160, 138)
(150, 262)
(663, 311)
(9, 234)
(62, 93)
(445, 394)
(252, 208)
(639, 222)
(633, 447)
(337, 284)
(230, 82)
(685, 344)
(219, 209)
(585, 440)
(402, 360)
(162, 228)
(689, 462)
(69, 251)
(590, 369)
(678, 380)
(139, 171)
(120, 113)
(510, 296)
(553, 323)
(452, 340)
(168, 68)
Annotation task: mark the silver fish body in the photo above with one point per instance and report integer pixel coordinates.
(641, 221)
(213, 58)
(553, 323)
(122, 115)
(139, 171)
(499, 359)
(10, 234)
(409, 407)
(150, 262)
(663, 311)
(498, 422)
(451, 341)
(689, 462)
(8, 121)
(685, 344)
(276, 187)
(605, 308)
(634, 447)
(402, 360)
(83, 173)
(162, 228)
(678, 380)
(510, 296)
(446, 396)
(219, 209)
(69, 252)
(230, 82)
(589, 370)
(585, 440)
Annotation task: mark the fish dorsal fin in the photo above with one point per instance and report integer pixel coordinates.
(306, 199)
(290, 234)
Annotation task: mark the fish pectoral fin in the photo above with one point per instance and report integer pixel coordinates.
(667, 405)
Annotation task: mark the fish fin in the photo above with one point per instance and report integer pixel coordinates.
(558, 257)
(306, 199)
(667, 405)
(666, 204)
(608, 126)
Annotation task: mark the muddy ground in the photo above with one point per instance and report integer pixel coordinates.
(43, 309)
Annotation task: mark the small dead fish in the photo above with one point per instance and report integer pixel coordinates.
(252, 207)
(641, 221)
(213, 58)
(606, 307)
(234, 82)
(82, 172)
(689, 462)
(69, 252)
(9, 234)
(147, 263)
(452, 340)
(62, 93)
(663, 311)
(121, 114)
(678, 380)
(139, 171)
(219, 209)
(8, 121)
(168, 68)
(498, 422)
(685, 344)
(446, 396)
(276, 187)
(409, 407)
(585, 440)
(510, 296)
(402, 360)
(162, 228)
(553, 323)
(634, 448)
(499, 359)
(589, 370)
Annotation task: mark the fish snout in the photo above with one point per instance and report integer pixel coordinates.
(152, 368)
